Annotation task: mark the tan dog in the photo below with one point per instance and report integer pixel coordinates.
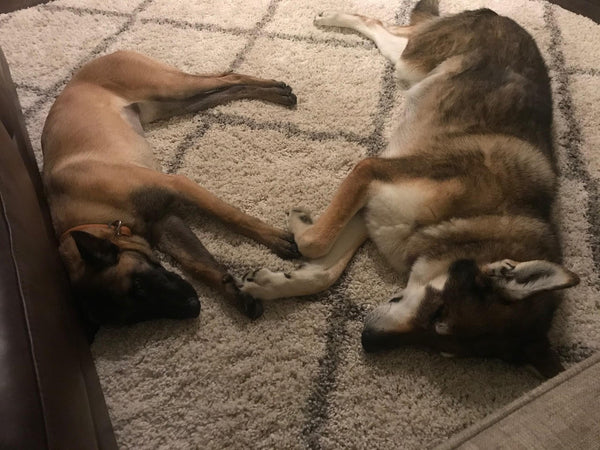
(110, 203)
(461, 199)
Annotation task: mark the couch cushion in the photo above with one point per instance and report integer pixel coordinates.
(50, 396)
(12, 5)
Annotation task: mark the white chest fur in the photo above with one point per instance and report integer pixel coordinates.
(391, 213)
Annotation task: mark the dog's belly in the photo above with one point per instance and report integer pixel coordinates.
(407, 138)
(399, 145)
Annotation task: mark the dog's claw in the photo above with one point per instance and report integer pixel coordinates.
(285, 87)
(293, 99)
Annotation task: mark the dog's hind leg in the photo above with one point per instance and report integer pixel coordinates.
(136, 77)
(158, 90)
(390, 39)
(424, 11)
(150, 111)
(174, 238)
(313, 276)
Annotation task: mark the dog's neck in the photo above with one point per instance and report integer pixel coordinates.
(117, 226)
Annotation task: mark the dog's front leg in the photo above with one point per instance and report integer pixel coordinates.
(279, 241)
(173, 237)
(316, 240)
(313, 276)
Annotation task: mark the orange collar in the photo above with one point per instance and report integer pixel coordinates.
(117, 226)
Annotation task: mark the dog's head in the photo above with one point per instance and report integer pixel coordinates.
(117, 280)
(502, 309)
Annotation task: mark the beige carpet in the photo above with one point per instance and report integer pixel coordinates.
(298, 378)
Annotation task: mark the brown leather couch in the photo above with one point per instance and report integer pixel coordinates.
(50, 396)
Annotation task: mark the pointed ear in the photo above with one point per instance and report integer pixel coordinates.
(97, 252)
(522, 279)
(543, 359)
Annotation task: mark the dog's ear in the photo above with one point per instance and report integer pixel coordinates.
(522, 279)
(97, 252)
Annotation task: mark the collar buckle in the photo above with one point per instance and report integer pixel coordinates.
(117, 224)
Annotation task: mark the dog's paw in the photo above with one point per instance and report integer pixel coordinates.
(284, 246)
(299, 219)
(250, 306)
(263, 284)
(285, 95)
(290, 99)
(327, 19)
(300, 223)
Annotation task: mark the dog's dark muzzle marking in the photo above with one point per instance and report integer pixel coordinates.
(159, 293)
(374, 341)
(188, 309)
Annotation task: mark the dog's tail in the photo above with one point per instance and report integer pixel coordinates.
(424, 10)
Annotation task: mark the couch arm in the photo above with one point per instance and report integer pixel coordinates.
(50, 396)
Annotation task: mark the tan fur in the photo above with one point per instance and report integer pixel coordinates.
(98, 167)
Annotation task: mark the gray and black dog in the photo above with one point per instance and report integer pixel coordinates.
(460, 200)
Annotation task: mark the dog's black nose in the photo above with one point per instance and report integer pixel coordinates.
(193, 307)
(372, 341)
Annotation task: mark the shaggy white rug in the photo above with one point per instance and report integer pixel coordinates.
(297, 377)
